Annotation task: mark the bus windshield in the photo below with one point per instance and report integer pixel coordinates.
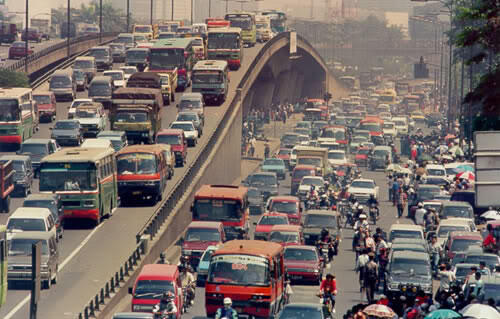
(136, 163)
(68, 177)
(245, 23)
(166, 59)
(9, 110)
(217, 210)
(223, 41)
(239, 270)
(203, 77)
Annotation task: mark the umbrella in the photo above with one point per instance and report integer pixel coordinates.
(491, 215)
(466, 175)
(480, 311)
(443, 314)
(379, 311)
(465, 168)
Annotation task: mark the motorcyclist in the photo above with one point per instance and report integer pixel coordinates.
(267, 150)
(419, 214)
(359, 211)
(328, 289)
(361, 222)
(436, 251)
(325, 238)
(324, 202)
(227, 311)
(166, 306)
(372, 201)
(188, 283)
(312, 194)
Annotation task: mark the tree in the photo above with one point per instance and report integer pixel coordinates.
(10, 79)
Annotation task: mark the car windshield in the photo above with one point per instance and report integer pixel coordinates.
(312, 181)
(299, 173)
(207, 255)
(169, 139)
(99, 53)
(336, 155)
(23, 246)
(362, 184)
(86, 113)
(82, 64)
(116, 76)
(284, 152)
(183, 126)
(400, 233)
(59, 82)
(76, 103)
(492, 290)
(99, 89)
(458, 211)
(301, 254)
(136, 163)
(34, 148)
(137, 54)
(309, 161)
(50, 204)
(27, 224)
(125, 39)
(490, 260)
(428, 193)
(242, 270)
(69, 125)
(445, 230)
(436, 172)
(284, 207)
(290, 139)
(273, 162)
(410, 266)
(187, 117)
(303, 125)
(190, 104)
(131, 117)
(129, 71)
(152, 289)
(257, 179)
(284, 237)
(42, 99)
(273, 220)
(313, 220)
(301, 313)
(202, 234)
(461, 244)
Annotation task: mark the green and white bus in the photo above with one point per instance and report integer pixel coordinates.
(245, 21)
(18, 115)
(225, 44)
(85, 179)
(211, 79)
(3, 264)
(278, 20)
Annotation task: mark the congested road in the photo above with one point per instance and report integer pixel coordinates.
(84, 263)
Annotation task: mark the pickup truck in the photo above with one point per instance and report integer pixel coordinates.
(168, 87)
(154, 80)
(316, 156)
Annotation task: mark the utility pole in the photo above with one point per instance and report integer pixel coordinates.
(128, 16)
(450, 62)
(209, 8)
(68, 30)
(172, 10)
(100, 21)
(151, 13)
(312, 9)
(26, 39)
(192, 12)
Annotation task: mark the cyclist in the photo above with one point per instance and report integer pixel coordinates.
(328, 290)
(227, 311)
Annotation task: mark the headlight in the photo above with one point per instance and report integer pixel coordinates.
(316, 271)
(88, 203)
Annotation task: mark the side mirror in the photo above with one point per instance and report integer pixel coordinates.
(130, 290)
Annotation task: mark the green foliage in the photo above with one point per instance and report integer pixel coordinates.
(9, 79)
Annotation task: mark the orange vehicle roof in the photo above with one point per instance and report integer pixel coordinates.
(296, 228)
(152, 149)
(155, 271)
(372, 119)
(250, 247)
(221, 191)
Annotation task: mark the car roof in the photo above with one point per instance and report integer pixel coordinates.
(171, 131)
(203, 224)
(292, 228)
(264, 173)
(191, 96)
(37, 141)
(363, 180)
(457, 234)
(317, 306)
(434, 166)
(321, 212)
(284, 198)
(303, 247)
(30, 212)
(406, 227)
(14, 158)
(410, 254)
(455, 203)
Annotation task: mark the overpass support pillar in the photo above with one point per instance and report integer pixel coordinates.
(263, 92)
(284, 86)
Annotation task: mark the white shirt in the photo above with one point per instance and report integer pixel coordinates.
(446, 277)
(363, 224)
(419, 216)
(362, 261)
(380, 245)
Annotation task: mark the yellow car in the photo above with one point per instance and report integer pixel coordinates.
(418, 117)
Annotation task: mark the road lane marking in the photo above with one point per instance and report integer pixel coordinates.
(61, 266)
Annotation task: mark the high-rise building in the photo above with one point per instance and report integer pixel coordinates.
(162, 9)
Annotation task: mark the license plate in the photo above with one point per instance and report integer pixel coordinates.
(136, 193)
(296, 277)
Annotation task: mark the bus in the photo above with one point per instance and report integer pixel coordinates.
(251, 273)
(142, 173)
(3, 264)
(245, 21)
(388, 97)
(211, 79)
(168, 54)
(225, 203)
(278, 20)
(18, 115)
(225, 44)
(85, 179)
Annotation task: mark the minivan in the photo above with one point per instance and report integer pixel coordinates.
(86, 64)
(46, 102)
(103, 57)
(23, 175)
(127, 39)
(37, 148)
(63, 86)
(19, 261)
(118, 138)
(199, 236)
(137, 57)
(53, 203)
(192, 102)
(100, 90)
(178, 143)
(28, 219)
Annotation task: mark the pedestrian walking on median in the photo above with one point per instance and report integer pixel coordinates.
(371, 278)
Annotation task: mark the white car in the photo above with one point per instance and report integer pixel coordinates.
(190, 132)
(128, 70)
(401, 124)
(435, 170)
(74, 104)
(337, 157)
(307, 182)
(362, 188)
(118, 77)
(389, 129)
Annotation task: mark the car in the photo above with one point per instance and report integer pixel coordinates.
(303, 264)
(307, 182)
(193, 102)
(176, 139)
(118, 138)
(74, 105)
(23, 175)
(36, 149)
(190, 131)
(456, 209)
(128, 71)
(117, 52)
(101, 89)
(31, 34)
(92, 118)
(476, 256)
(362, 156)
(67, 132)
(356, 141)
(460, 242)
(408, 273)
(267, 182)
(289, 140)
(255, 201)
(462, 271)
(286, 235)
(17, 50)
(103, 58)
(198, 237)
(389, 129)
(491, 287)
(363, 188)
(63, 85)
(435, 180)
(412, 232)
(30, 219)
(284, 155)
(204, 264)
(266, 222)
(448, 225)
(191, 116)
(422, 193)
(86, 64)
(435, 170)
(289, 205)
(53, 203)
(274, 165)
(305, 310)
(118, 77)
(19, 263)
(46, 102)
(315, 221)
(336, 158)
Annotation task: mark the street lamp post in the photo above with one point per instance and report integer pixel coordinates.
(172, 10)
(450, 62)
(151, 13)
(128, 15)
(26, 39)
(68, 30)
(100, 21)
(209, 8)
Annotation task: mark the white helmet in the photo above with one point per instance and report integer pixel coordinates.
(362, 216)
(420, 205)
(228, 301)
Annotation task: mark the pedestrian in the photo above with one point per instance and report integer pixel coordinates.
(401, 200)
(389, 185)
(371, 278)
(360, 269)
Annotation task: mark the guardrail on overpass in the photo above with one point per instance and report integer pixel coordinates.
(45, 57)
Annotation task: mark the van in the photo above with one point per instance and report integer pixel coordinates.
(29, 219)
(178, 143)
(118, 138)
(46, 102)
(401, 124)
(100, 90)
(199, 236)
(23, 175)
(138, 57)
(36, 149)
(380, 156)
(153, 281)
(169, 158)
(127, 39)
(103, 57)
(19, 263)
(62, 85)
(53, 203)
(192, 102)
(86, 64)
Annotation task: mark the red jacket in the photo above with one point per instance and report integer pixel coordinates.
(489, 240)
(328, 285)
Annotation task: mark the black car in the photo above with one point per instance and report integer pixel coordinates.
(315, 221)
(118, 52)
(305, 311)
(67, 132)
(23, 173)
(267, 182)
(255, 201)
(50, 201)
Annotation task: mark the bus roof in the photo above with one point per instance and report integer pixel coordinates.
(221, 191)
(78, 155)
(176, 43)
(219, 65)
(225, 30)
(239, 13)
(249, 247)
(151, 149)
(11, 92)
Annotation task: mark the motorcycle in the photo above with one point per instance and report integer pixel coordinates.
(374, 213)
(165, 314)
(326, 250)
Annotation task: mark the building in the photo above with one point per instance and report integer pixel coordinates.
(162, 9)
(217, 8)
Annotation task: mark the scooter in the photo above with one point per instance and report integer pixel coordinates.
(374, 213)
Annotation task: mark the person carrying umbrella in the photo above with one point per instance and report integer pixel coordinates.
(490, 242)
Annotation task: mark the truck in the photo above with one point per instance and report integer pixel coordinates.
(8, 32)
(6, 185)
(365, 80)
(154, 80)
(146, 30)
(264, 31)
(43, 26)
(314, 153)
(136, 111)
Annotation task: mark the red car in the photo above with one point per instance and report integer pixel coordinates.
(200, 235)
(361, 157)
(289, 205)
(266, 222)
(284, 154)
(300, 171)
(287, 235)
(18, 50)
(46, 102)
(33, 35)
(303, 264)
(460, 241)
(178, 143)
